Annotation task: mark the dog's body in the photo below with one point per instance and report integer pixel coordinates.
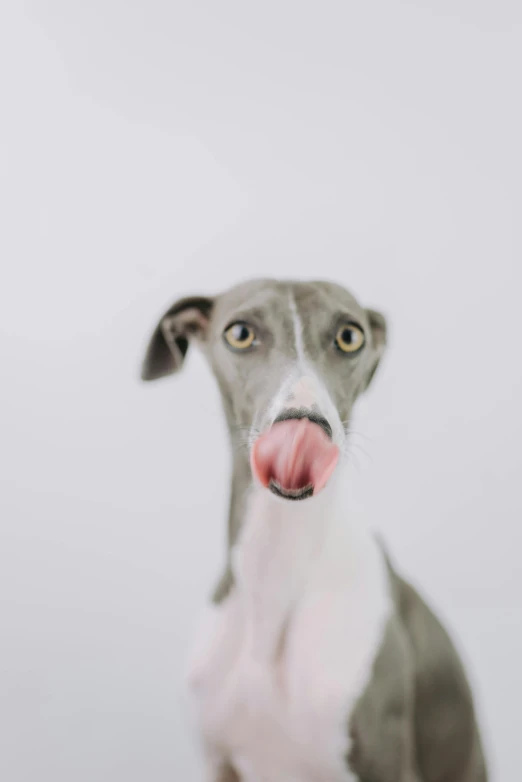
(282, 691)
(318, 663)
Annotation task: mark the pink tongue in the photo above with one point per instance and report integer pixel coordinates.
(295, 454)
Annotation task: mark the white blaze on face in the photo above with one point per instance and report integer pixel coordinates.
(298, 329)
(302, 388)
(304, 393)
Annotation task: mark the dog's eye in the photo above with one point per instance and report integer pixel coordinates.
(240, 336)
(350, 338)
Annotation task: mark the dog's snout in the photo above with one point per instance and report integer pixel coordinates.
(301, 412)
(303, 393)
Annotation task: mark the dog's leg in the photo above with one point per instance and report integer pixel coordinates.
(227, 774)
(221, 772)
(218, 768)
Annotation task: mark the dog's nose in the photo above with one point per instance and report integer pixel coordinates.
(304, 393)
(302, 412)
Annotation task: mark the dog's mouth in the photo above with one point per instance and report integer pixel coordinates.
(295, 458)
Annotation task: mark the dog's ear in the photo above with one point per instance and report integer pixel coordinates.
(379, 331)
(169, 343)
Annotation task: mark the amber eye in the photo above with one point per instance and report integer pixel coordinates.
(240, 336)
(350, 338)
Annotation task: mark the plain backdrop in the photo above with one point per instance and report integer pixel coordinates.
(155, 148)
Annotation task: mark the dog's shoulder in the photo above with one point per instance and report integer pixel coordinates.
(418, 703)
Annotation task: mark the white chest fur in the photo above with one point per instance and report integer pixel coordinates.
(283, 660)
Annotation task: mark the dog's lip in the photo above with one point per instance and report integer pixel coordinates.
(300, 413)
(291, 494)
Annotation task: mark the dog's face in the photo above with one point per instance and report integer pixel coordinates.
(290, 360)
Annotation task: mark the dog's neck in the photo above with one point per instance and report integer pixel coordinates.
(286, 550)
(252, 508)
(240, 489)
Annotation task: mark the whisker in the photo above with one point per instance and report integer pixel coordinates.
(362, 450)
(354, 460)
(242, 437)
(353, 432)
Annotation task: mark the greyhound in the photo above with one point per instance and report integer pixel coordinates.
(317, 661)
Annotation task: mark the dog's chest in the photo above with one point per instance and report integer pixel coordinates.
(284, 659)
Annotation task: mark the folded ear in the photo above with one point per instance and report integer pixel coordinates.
(378, 330)
(169, 343)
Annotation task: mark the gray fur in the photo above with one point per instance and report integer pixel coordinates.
(415, 722)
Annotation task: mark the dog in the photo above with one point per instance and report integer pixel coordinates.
(317, 662)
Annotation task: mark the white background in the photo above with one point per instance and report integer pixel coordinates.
(155, 148)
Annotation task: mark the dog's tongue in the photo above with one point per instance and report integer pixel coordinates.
(294, 455)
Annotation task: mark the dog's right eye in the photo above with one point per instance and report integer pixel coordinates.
(240, 336)
(350, 338)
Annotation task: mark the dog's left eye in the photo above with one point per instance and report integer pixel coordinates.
(240, 336)
(350, 338)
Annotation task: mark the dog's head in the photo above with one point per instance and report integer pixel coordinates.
(290, 359)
